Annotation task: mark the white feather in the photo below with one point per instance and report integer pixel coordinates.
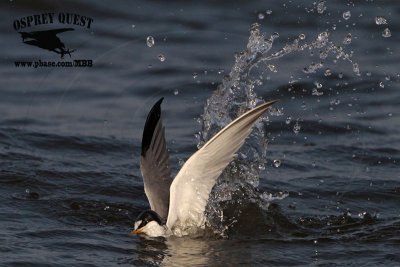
(189, 192)
(153, 229)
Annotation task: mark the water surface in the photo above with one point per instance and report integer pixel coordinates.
(328, 193)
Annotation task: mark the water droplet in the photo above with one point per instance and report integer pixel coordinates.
(150, 41)
(355, 68)
(362, 214)
(313, 164)
(302, 36)
(255, 28)
(272, 68)
(288, 120)
(323, 36)
(335, 101)
(106, 207)
(321, 7)
(277, 163)
(387, 77)
(133, 26)
(195, 75)
(27, 191)
(347, 39)
(316, 92)
(269, 12)
(176, 92)
(274, 35)
(346, 15)
(181, 162)
(380, 20)
(340, 75)
(261, 167)
(296, 127)
(328, 72)
(161, 57)
(261, 16)
(386, 33)
(323, 54)
(318, 85)
(381, 85)
(274, 111)
(313, 67)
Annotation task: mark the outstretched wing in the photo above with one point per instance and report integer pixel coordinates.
(154, 162)
(191, 187)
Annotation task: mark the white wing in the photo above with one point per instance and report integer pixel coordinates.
(191, 187)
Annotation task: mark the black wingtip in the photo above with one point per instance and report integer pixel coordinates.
(150, 125)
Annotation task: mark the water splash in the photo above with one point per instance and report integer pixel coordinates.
(321, 7)
(380, 20)
(233, 97)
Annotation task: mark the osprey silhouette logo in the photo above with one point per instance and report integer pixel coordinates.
(47, 40)
(50, 39)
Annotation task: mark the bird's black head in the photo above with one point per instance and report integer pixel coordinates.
(145, 217)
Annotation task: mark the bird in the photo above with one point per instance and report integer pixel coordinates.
(179, 203)
(47, 40)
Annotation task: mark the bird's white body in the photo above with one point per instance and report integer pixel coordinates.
(190, 189)
(153, 229)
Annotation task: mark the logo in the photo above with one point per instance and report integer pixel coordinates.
(47, 40)
(50, 39)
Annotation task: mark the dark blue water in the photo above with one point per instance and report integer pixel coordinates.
(70, 183)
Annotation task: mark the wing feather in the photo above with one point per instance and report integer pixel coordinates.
(191, 187)
(154, 163)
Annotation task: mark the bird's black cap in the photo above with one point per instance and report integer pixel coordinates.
(148, 216)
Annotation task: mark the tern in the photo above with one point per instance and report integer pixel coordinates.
(180, 202)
